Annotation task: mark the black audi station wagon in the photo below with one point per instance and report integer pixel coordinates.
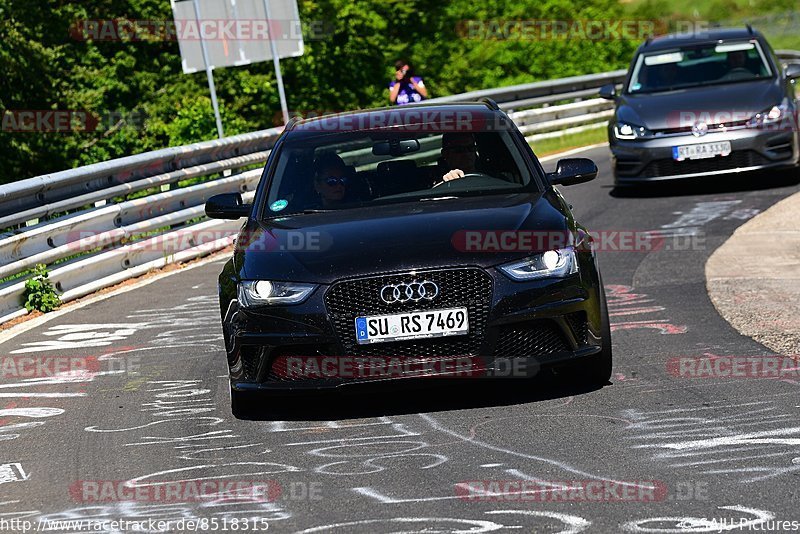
(406, 242)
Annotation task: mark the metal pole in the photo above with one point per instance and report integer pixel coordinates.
(277, 63)
(209, 74)
(242, 57)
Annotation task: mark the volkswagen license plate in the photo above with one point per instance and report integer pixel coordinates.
(701, 151)
(412, 325)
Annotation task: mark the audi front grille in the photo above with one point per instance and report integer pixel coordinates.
(470, 288)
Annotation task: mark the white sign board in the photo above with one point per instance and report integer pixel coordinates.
(236, 32)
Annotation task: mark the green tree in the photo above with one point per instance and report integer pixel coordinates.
(143, 101)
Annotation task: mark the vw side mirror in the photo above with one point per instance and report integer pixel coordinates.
(793, 71)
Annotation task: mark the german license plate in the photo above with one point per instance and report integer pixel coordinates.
(701, 151)
(412, 325)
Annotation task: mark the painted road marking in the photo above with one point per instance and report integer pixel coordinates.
(12, 473)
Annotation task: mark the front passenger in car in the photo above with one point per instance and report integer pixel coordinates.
(330, 180)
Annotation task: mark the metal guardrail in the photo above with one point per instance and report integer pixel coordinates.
(112, 224)
(80, 223)
(553, 118)
(126, 188)
(34, 197)
(538, 93)
(792, 56)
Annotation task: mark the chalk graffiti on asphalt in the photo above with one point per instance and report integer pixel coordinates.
(623, 302)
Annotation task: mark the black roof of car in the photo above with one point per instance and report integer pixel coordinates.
(479, 115)
(676, 40)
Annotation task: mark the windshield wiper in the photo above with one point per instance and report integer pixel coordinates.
(317, 211)
(449, 197)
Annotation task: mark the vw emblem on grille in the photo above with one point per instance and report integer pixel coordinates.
(413, 292)
(699, 129)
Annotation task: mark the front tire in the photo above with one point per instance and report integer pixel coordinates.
(596, 370)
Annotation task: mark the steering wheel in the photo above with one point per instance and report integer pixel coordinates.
(471, 176)
(738, 73)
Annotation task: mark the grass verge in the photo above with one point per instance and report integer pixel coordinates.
(545, 147)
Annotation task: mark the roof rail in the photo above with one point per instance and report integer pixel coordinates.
(292, 121)
(489, 102)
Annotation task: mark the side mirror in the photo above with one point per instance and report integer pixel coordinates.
(608, 91)
(571, 171)
(227, 206)
(793, 71)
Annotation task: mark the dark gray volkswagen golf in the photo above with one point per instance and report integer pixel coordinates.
(408, 242)
(697, 105)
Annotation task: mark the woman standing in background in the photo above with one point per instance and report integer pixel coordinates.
(406, 88)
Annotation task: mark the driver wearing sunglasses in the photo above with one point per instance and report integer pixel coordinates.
(460, 154)
(330, 180)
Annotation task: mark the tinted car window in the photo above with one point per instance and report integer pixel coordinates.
(694, 66)
(353, 169)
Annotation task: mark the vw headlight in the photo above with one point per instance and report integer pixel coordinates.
(626, 130)
(769, 116)
(550, 264)
(265, 293)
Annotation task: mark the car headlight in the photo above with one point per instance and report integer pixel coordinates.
(265, 293)
(549, 264)
(769, 116)
(626, 130)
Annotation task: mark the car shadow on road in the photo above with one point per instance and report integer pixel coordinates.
(712, 185)
(409, 396)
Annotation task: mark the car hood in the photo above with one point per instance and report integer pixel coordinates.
(713, 104)
(324, 247)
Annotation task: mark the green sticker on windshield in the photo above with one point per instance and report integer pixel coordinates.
(278, 205)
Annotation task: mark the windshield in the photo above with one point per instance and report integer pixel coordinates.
(360, 168)
(697, 66)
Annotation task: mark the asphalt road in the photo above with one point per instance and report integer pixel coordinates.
(672, 453)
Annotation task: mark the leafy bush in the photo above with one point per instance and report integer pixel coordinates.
(39, 291)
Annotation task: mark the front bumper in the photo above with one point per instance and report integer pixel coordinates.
(752, 149)
(538, 323)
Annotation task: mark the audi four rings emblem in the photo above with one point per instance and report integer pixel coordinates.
(414, 292)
